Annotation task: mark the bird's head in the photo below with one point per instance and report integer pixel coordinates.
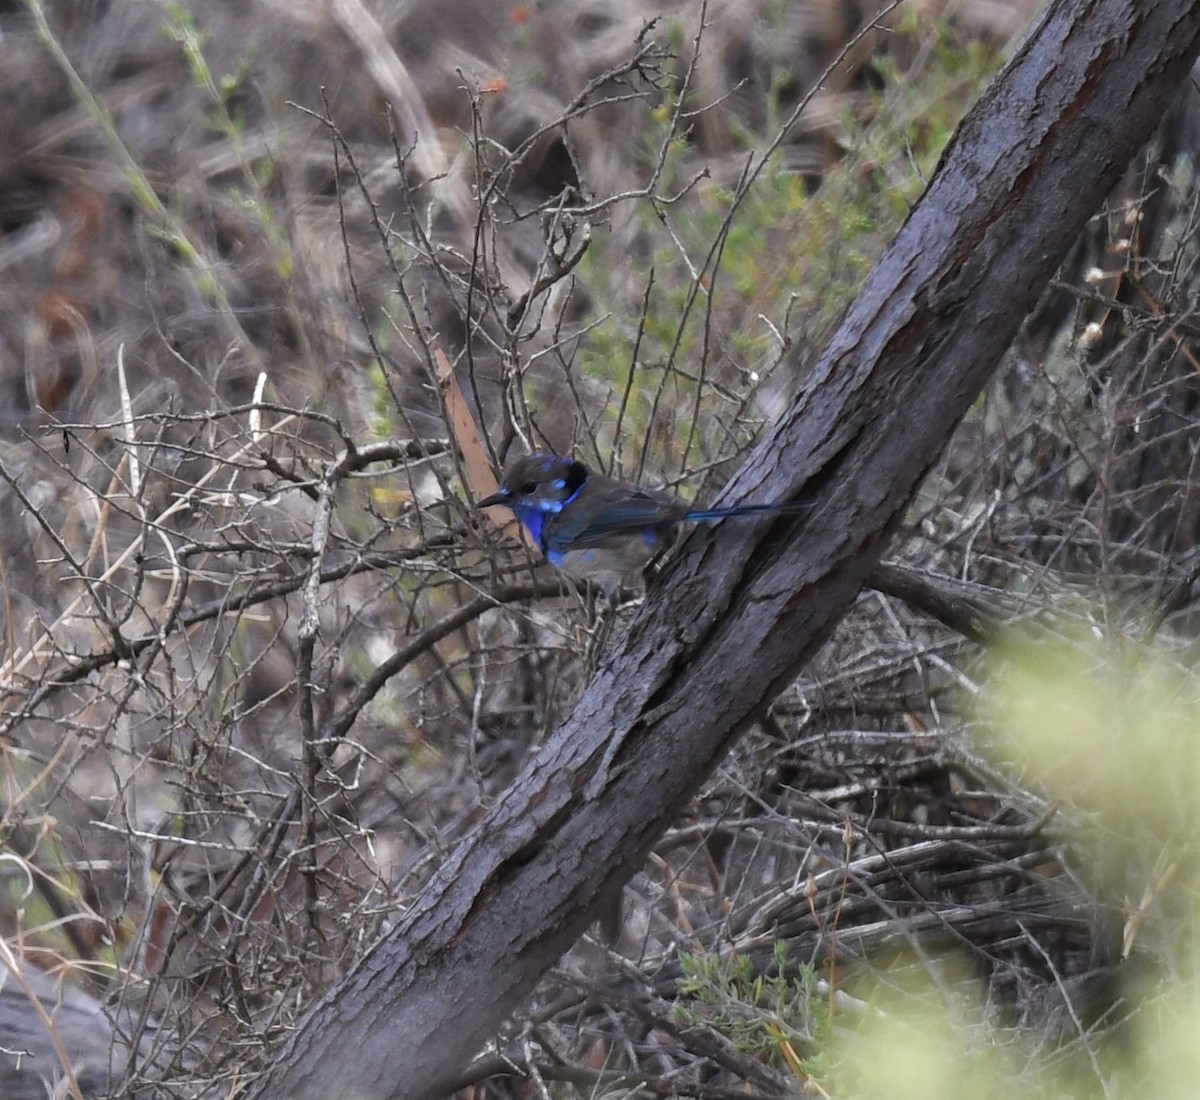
(538, 484)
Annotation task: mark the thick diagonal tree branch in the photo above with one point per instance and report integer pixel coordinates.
(741, 611)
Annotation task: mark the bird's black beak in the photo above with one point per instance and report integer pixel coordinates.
(499, 497)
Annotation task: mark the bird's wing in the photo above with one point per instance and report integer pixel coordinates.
(612, 510)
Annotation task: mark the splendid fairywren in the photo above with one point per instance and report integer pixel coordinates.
(597, 528)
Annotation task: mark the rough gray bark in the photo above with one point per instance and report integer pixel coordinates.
(92, 1038)
(742, 610)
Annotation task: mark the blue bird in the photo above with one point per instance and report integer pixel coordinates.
(596, 528)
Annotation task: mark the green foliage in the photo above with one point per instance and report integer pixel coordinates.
(738, 278)
(910, 1046)
(226, 120)
(777, 1016)
(1106, 730)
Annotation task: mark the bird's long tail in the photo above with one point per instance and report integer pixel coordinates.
(704, 515)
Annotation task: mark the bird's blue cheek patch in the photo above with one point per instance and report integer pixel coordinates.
(552, 506)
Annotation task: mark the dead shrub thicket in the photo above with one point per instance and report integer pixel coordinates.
(262, 662)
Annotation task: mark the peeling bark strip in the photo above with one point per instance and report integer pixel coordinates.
(728, 629)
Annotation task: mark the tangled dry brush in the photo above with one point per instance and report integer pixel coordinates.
(280, 280)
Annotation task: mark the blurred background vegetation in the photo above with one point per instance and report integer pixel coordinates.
(279, 283)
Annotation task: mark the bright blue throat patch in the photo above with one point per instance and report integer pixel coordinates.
(532, 518)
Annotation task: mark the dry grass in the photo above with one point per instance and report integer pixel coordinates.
(263, 663)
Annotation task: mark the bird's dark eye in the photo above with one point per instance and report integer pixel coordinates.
(527, 488)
